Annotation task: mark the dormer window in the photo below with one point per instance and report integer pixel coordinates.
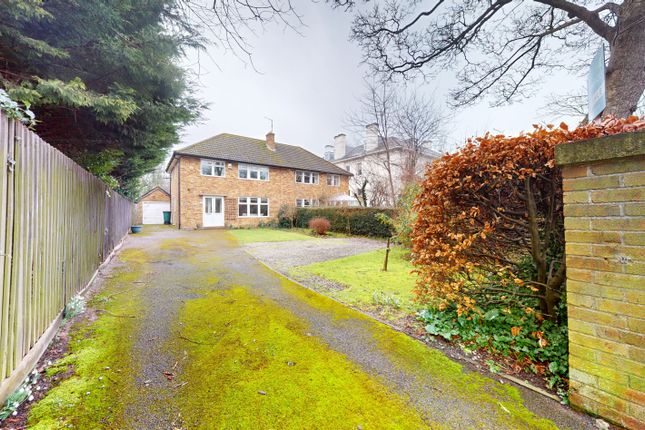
(305, 177)
(213, 168)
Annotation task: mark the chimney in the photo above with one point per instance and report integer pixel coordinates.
(329, 153)
(271, 141)
(371, 137)
(340, 146)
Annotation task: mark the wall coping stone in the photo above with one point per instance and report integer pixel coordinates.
(601, 148)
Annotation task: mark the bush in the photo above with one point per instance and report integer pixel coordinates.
(287, 216)
(486, 210)
(406, 215)
(356, 221)
(320, 225)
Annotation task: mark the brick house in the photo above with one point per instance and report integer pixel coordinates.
(233, 181)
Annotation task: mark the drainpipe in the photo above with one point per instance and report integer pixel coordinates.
(179, 193)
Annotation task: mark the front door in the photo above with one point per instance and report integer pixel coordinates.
(213, 211)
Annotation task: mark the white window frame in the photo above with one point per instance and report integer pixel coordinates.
(212, 164)
(259, 202)
(252, 168)
(334, 179)
(359, 168)
(307, 203)
(314, 177)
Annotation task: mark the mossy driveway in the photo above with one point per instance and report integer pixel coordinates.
(187, 331)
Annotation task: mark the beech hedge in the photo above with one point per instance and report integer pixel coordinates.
(356, 221)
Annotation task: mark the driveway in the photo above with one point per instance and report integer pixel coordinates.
(188, 331)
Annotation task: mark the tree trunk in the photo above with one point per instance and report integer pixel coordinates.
(625, 75)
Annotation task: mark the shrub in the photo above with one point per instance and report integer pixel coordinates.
(320, 225)
(541, 346)
(406, 215)
(287, 216)
(356, 221)
(487, 209)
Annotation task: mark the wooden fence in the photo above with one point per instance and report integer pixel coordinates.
(58, 223)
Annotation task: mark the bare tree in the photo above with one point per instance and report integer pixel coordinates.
(407, 126)
(575, 104)
(499, 45)
(157, 178)
(420, 127)
(231, 22)
(377, 108)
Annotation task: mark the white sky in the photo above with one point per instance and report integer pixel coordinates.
(309, 83)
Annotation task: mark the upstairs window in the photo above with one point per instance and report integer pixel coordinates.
(250, 171)
(359, 169)
(333, 180)
(213, 168)
(304, 177)
(306, 203)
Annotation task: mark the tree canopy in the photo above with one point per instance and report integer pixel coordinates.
(102, 78)
(502, 46)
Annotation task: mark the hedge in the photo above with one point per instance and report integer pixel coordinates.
(357, 221)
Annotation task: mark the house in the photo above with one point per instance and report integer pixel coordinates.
(151, 206)
(230, 180)
(368, 163)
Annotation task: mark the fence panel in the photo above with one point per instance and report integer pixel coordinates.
(58, 223)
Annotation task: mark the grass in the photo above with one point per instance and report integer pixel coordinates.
(367, 285)
(244, 236)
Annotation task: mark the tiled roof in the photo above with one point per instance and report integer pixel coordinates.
(231, 147)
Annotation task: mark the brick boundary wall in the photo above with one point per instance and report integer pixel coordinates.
(604, 219)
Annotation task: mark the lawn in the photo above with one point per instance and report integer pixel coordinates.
(367, 285)
(266, 235)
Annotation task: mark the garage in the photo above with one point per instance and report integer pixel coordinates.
(153, 212)
(151, 206)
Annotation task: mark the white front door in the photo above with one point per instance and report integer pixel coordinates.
(213, 211)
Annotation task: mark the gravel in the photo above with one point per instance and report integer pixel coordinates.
(283, 256)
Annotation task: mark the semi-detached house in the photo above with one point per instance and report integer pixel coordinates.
(230, 180)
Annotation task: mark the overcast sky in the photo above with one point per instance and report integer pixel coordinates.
(309, 83)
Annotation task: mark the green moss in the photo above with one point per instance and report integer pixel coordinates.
(368, 287)
(266, 235)
(102, 383)
(259, 347)
(413, 356)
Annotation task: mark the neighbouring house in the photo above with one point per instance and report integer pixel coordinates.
(231, 180)
(151, 206)
(368, 164)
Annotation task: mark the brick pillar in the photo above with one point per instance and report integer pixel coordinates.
(604, 209)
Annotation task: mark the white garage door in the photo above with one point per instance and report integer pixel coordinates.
(153, 212)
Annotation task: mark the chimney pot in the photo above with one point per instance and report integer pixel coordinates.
(271, 141)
